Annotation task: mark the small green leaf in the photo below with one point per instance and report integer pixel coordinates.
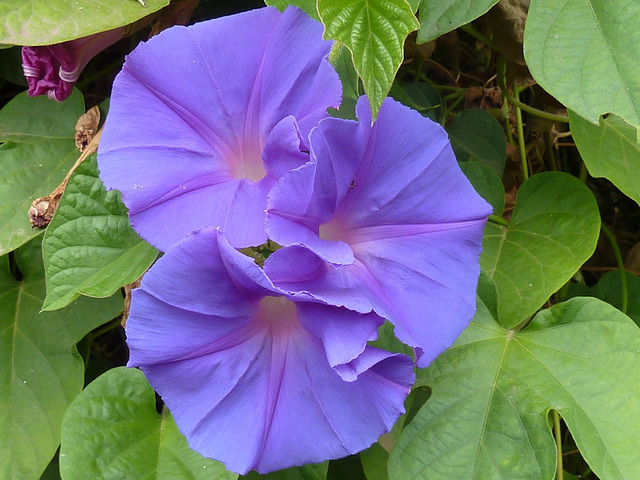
(609, 289)
(314, 471)
(477, 136)
(486, 183)
(38, 151)
(112, 431)
(307, 6)
(374, 31)
(585, 53)
(487, 416)
(438, 17)
(45, 22)
(610, 150)
(554, 230)
(374, 462)
(40, 368)
(89, 247)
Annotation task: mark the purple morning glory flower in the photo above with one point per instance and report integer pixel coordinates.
(204, 119)
(382, 218)
(53, 70)
(256, 377)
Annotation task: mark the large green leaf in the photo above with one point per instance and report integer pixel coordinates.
(610, 150)
(308, 6)
(44, 22)
(585, 53)
(487, 416)
(38, 151)
(89, 247)
(374, 31)
(112, 431)
(40, 368)
(438, 17)
(554, 230)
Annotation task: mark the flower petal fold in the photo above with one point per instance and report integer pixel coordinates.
(191, 113)
(243, 367)
(393, 193)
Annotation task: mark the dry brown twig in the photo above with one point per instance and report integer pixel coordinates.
(43, 208)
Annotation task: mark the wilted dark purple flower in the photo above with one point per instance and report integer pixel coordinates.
(204, 119)
(255, 377)
(53, 70)
(383, 219)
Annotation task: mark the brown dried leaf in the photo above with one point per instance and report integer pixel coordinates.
(86, 127)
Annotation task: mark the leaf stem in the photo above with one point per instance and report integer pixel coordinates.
(502, 83)
(621, 270)
(471, 30)
(499, 220)
(520, 130)
(507, 123)
(558, 437)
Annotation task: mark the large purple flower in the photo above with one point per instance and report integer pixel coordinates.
(204, 119)
(255, 377)
(382, 218)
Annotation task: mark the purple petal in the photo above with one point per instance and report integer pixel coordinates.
(298, 270)
(282, 150)
(244, 369)
(343, 332)
(392, 192)
(221, 271)
(296, 209)
(194, 109)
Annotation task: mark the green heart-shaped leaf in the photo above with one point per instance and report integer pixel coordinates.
(374, 31)
(438, 17)
(585, 53)
(487, 416)
(40, 368)
(554, 230)
(113, 431)
(89, 247)
(38, 150)
(45, 22)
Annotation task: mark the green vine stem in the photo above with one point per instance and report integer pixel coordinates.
(558, 438)
(499, 220)
(502, 83)
(520, 130)
(471, 30)
(621, 270)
